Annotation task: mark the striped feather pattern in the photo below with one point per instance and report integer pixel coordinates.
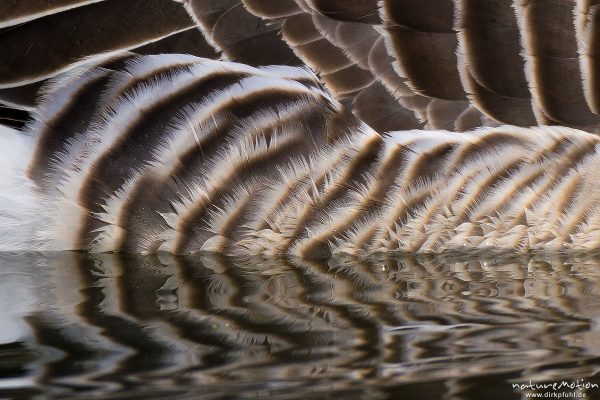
(40, 39)
(166, 143)
(169, 152)
(182, 154)
(239, 34)
(456, 64)
(448, 64)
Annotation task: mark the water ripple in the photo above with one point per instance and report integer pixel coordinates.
(108, 326)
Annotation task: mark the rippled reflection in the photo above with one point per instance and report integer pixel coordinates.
(75, 325)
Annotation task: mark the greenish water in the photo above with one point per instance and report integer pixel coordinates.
(449, 327)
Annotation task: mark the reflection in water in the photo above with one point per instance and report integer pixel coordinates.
(74, 325)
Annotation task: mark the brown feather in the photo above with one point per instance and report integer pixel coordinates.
(381, 111)
(555, 76)
(46, 46)
(348, 10)
(272, 8)
(13, 12)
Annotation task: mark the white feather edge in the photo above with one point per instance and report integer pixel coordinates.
(22, 210)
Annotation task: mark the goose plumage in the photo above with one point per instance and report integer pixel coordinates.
(113, 139)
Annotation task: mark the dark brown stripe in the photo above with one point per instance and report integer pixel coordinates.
(135, 145)
(384, 175)
(128, 89)
(364, 159)
(151, 196)
(193, 161)
(63, 127)
(427, 164)
(192, 228)
(71, 121)
(486, 144)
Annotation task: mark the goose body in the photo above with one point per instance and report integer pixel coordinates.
(128, 151)
(182, 154)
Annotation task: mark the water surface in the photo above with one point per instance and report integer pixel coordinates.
(450, 327)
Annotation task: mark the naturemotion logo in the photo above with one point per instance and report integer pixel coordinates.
(556, 390)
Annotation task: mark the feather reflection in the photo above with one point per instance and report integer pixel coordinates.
(165, 326)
